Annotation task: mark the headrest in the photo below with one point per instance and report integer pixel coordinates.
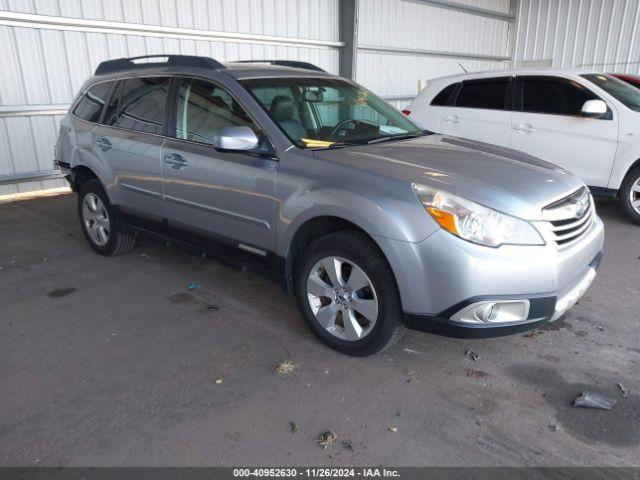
(282, 108)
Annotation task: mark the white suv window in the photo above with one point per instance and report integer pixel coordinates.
(552, 95)
(488, 94)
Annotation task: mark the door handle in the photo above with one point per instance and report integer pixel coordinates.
(175, 160)
(103, 144)
(524, 128)
(452, 119)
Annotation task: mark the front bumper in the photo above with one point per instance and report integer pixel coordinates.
(443, 274)
(542, 309)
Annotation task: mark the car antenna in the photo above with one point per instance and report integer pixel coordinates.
(464, 69)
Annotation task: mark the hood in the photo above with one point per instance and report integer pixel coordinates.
(499, 178)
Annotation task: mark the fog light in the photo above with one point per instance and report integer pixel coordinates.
(494, 311)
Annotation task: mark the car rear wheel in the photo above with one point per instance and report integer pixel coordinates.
(348, 294)
(98, 221)
(630, 195)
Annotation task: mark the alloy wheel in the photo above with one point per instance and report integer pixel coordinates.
(634, 195)
(96, 219)
(342, 298)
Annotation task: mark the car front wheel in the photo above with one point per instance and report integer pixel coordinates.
(348, 294)
(630, 195)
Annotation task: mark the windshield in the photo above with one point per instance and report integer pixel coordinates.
(325, 112)
(621, 91)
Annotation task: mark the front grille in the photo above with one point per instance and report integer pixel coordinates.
(570, 217)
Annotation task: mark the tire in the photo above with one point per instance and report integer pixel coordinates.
(365, 277)
(98, 221)
(630, 194)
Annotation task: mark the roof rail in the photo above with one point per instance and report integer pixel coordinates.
(286, 63)
(120, 64)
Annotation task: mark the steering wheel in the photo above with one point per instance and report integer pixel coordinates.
(342, 127)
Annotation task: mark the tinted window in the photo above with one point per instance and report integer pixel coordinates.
(554, 95)
(443, 97)
(621, 91)
(203, 108)
(91, 103)
(488, 94)
(139, 104)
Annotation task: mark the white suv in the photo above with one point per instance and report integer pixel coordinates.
(586, 122)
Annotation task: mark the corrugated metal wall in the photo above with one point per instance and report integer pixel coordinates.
(600, 34)
(50, 46)
(44, 61)
(414, 25)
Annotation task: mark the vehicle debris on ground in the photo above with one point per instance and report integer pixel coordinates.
(593, 400)
(472, 355)
(624, 390)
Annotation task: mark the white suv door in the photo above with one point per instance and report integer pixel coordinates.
(480, 111)
(547, 123)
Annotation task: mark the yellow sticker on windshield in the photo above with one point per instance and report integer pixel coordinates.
(312, 143)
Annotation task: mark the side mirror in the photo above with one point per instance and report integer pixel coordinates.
(236, 139)
(594, 109)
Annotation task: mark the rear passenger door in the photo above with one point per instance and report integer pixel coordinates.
(548, 125)
(481, 111)
(225, 199)
(129, 143)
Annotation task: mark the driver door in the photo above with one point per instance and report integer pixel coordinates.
(220, 197)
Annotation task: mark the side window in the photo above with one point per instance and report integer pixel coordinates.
(487, 94)
(443, 98)
(139, 104)
(203, 108)
(90, 105)
(554, 95)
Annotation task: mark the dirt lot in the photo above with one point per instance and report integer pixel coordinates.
(113, 361)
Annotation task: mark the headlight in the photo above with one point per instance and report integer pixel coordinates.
(473, 222)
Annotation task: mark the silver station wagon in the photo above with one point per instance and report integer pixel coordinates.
(370, 221)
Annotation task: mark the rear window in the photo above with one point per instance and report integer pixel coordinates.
(139, 104)
(486, 94)
(90, 105)
(444, 97)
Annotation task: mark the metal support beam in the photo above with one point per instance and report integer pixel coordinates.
(431, 53)
(30, 177)
(399, 98)
(460, 7)
(31, 110)
(348, 20)
(29, 20)
(512, 34)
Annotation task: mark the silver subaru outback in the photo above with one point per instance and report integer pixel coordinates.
(370, 221)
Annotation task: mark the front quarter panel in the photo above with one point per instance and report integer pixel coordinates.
(309, 187)
(628, 146)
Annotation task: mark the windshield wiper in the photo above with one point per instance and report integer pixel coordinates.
(395, 136)
(344, 144)
(398, 136)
